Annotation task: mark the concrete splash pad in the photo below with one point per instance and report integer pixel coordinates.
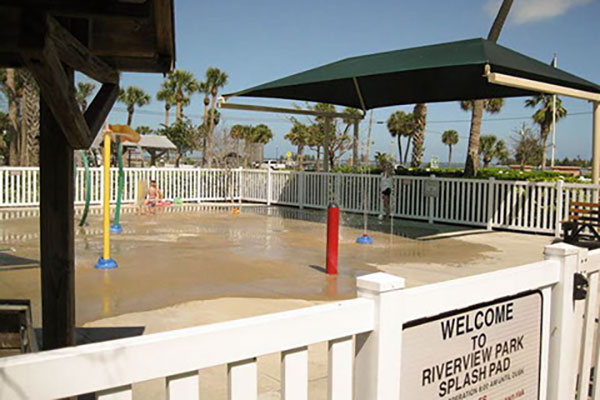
(263, 252)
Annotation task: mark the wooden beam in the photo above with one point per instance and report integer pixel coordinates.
(56, 231)
(36, 28)
(165, 40)
(73, 53)
(59, 94)
(86, 8)
(100, 107)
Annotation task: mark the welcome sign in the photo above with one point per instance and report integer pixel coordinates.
(489, 351)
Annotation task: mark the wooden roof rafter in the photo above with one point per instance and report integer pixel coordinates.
(45, 47)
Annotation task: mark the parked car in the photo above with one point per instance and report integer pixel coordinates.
(272, 164)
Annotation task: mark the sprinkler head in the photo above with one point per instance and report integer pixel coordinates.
(117, 229)
(364, 239)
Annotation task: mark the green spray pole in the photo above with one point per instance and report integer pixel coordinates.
(88, 188)
(115, 227)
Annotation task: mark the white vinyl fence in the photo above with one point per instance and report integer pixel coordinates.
(371, 343)
(522, 206)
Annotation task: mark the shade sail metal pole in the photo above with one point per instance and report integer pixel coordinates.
(282, 110)
(528, 84)
(553, 131)
(554, 64)
(359, 94)
(596, 143)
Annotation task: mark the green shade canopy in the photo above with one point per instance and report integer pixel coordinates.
(442, 72)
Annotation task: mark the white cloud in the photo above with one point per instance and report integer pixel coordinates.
(525, 11)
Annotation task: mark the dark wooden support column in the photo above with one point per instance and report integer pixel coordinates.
(56, 232)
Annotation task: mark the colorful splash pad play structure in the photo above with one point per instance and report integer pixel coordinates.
(118, 133)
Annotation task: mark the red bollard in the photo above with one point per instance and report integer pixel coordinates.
(333, 227)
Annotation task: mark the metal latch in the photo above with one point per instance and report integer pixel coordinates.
(580, 287)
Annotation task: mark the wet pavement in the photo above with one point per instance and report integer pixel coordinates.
(201, 253)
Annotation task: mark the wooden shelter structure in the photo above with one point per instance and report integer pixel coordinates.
(54, 38)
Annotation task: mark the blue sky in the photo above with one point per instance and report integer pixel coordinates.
(263, 40)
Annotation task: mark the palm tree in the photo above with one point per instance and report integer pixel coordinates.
(83, 92)
(543, 117)
(261, 133)
(490, 147)
(472, 161)
(30, 119)
(492, 106)
(418, 139)
(178, 86)
(215, 79)
(165, 94)
(352, 115)
(401, 124)
(240, 133)
(298, 136)
(10, 85)
(133, 96)
(204, 89)
(450, 138)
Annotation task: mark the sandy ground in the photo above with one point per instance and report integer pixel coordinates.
(206, 265)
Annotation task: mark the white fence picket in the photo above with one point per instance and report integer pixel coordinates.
(340, 367)
(118, 393)
(183, 386)
(294, 374)
(242, 380)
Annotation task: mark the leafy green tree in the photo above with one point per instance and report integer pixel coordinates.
(178, 86)
(326, 131)
(543, 117)
(132, 97)
(527, 147)
(418, 138)
(83, 92)
(490, 147)
(215, 80)
(384, 160)
(145, 130)
(450, 138)
(183, 135)
(401, 124)
(472, 161)
(299, 137)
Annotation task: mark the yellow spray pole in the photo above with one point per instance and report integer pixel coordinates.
(124, 132)
(105, 262)
(106, 200)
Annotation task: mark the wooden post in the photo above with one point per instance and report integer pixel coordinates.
(56, 232)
